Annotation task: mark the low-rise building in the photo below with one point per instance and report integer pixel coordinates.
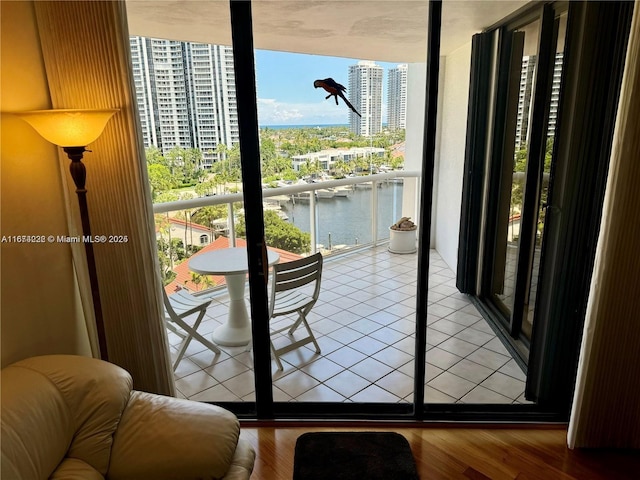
(326, 158)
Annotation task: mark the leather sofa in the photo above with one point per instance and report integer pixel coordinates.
(70, 417)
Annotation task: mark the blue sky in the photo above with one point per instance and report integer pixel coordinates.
(285, 88)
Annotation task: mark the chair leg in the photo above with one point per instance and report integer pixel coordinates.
(311, 335)
(191, 333)
(181, 350)
(275, 356)
(200, 338)
(295, 326)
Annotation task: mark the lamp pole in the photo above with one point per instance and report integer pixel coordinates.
(79, 176)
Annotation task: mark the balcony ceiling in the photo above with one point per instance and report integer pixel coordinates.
(384, 30)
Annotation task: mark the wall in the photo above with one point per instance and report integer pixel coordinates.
(416, 89)
(416, 80)
(454, 93)
(40, 306)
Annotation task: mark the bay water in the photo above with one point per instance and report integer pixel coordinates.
(347, 220)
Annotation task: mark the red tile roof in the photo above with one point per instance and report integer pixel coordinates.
(182, 223)
(183, 277)
(193, 225)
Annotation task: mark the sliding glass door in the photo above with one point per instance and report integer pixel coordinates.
(520, 189)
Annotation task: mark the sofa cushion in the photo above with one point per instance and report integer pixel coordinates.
(163, 438)
(74, 469)
(95, 393)
(37, 428)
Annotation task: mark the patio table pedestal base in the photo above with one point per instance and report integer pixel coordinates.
(236, 331)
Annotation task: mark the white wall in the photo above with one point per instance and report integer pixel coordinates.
(40, 307)
(454, 91)
(416, 80)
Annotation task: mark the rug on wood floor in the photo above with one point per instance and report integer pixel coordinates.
(353, 456)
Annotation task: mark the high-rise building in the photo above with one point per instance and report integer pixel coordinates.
(397, 97)
(527, 74)
(185, 94)
(527, 78)
(365, 93)
(555, 94)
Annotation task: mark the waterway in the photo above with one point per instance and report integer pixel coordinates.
(347, 220)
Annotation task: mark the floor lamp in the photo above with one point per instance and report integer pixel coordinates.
(73, 130)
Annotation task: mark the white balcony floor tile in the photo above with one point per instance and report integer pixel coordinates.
(365, 325)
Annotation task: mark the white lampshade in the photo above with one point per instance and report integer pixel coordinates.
(68, 128)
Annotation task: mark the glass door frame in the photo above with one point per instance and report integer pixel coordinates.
(503, 149)
(264, 408)
(596, 35)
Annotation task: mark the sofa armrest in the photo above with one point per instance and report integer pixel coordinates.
(243, 461)
(166, 438)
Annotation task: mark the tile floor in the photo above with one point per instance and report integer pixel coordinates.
(364, 322)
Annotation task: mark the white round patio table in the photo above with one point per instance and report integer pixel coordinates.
(233, 264)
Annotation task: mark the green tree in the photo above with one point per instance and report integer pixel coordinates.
(279, 234)
(201, 282)
(396, 162)
(267, 149)
(185, 165)
(221, 150)
(341, 168)
(206, 188)
(154, 156)
(169, 196)
(160, 179)
(206, 215)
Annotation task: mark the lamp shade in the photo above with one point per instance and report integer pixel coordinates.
(68, 128)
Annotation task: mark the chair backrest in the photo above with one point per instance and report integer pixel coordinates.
(297, 274)
(167, 305)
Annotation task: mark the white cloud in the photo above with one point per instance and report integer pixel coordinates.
(273, 112)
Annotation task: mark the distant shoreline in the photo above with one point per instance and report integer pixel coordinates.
(315, 125)
(284, 127)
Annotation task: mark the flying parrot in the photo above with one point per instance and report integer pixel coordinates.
(335, 90)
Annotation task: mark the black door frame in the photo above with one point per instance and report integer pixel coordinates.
(595, 47)
(264, 408)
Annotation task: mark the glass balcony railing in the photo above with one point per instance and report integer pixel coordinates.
(334, 216)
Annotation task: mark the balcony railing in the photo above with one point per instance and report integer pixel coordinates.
(311, 191)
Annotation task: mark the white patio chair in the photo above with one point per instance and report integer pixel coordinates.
(295, 289)
(177, 307)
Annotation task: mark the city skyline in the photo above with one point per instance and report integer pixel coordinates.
(285, 93)
(285, 90)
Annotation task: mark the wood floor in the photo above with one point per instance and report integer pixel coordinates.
(463, 453)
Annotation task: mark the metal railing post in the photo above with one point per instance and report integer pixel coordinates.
(312, 220)
(374, 212)
(231, 225)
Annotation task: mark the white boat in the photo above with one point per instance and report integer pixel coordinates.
(300, 197)
(341, 191)
(325, 193)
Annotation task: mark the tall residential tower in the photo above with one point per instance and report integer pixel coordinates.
(397, 97)
(365, 93)
(185, 94)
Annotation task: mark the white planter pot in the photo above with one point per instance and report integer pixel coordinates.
(402, 241)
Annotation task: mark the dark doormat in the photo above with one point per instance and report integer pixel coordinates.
(353, 456)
